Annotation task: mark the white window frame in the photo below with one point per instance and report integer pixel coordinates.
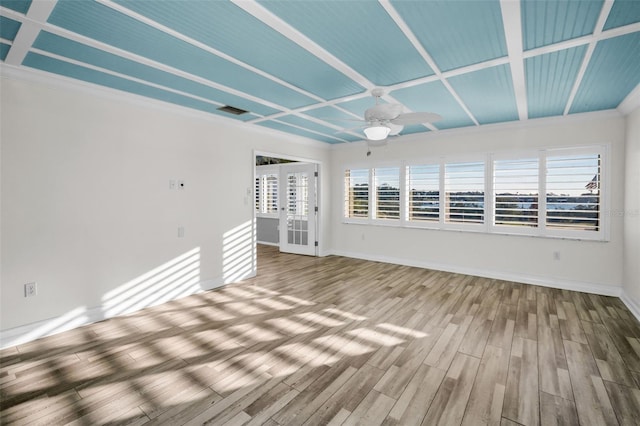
(506, 229)
(603, 232)
(489, 226)
(472, 227)
(373, 195)
(262, 171)
(349, 219)
(434, 161)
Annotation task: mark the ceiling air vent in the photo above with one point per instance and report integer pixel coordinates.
(232, 110)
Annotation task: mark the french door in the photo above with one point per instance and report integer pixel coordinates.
(298, 211)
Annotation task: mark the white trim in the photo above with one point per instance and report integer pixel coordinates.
(276, 23)
(584, 287)
(143, 19)
(393, 13)
(79, 317)
(630, 304)
(512, 23)
(602, 19)
(267, 243)
(61, 82)
(29, 30)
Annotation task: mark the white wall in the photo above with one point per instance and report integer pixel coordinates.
(584, 265)
(87, 210)
(632, 214)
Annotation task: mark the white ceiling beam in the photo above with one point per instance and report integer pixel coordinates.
(136, 58)
(580, 41)
(141, 18)
(258, 11)
(602, 19)
(39, 11)
(393, 13)
(512, 23)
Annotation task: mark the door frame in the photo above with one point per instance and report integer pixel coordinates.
(256, 153)
(287, 246)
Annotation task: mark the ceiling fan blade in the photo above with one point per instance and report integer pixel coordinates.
(395, 129)
(416, 118)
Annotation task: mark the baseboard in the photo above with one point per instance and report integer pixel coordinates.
(266, 243)
(595, 288)
(82, 316)
(631, 304)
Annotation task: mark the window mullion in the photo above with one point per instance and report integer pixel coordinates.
(489, 191)
(542, 193)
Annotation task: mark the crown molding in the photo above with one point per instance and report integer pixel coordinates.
(12, 72)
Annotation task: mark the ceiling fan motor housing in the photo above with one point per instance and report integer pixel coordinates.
(383, 112)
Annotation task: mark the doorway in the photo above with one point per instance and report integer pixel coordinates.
(286, 203)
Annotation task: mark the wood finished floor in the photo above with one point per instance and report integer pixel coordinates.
(340, 341)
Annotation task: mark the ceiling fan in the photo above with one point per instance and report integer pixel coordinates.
(384, 120)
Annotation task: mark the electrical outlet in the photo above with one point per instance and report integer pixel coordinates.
(556, 255)
(30, 289)
(180, 231)
(172, 184)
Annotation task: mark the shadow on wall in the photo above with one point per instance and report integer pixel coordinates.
(172, 280)
(176, 278)
(239, 252)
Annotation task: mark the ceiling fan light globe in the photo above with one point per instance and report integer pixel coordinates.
(376, 133)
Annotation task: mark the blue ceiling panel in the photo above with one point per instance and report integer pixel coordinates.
(4, 50)
(20, 6)
(550, 21)
(414, 128)
(613, 72)
(66, 69)
(307, 124)
(236, 33)
(434, 97)
(623, 12)
(8, 28)
(359, 33)
(488, 94)
(456, 33)
(80, 52)
(331, 114)
(308, 67)
(102, 23)
(349, 137)
(550, 79)
(296, 131)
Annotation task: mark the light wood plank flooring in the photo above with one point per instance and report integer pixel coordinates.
(340, 341)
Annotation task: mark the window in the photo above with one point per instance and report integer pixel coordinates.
(356, 192)
(297, 197)
(464, 192)
(573, 192)
(387, 201)
(266, 192)
(515, 191)
(423, 190)
(548, 193)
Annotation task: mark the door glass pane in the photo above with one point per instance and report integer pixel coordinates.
(297, 208)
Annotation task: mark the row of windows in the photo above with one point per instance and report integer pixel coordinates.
(492, 194)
